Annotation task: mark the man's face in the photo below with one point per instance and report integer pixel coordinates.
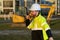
(34, 13)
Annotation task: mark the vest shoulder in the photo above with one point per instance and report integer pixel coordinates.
(40, 16)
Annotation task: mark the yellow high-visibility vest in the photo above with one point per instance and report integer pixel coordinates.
(39, 23)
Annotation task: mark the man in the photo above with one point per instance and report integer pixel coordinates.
(38, 25)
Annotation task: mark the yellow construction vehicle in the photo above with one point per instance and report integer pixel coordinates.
(51, 11)
(17, 18)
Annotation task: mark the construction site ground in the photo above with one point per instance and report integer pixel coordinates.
(18, 31)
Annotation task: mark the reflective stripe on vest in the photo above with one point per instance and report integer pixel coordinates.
(47, 28)
(43, 23)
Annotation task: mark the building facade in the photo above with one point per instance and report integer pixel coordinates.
(14, 5)
(1, 5)
(7, 6)
(58, 7)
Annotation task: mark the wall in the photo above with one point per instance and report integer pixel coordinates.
(1, 5)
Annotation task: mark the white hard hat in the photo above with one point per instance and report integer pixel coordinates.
(35, 7)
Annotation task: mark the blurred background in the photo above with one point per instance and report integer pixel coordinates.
(12, 18)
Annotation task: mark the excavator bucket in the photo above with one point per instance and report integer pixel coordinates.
(17, 19)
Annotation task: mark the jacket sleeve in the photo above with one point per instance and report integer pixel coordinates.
(27, 21)
(44, 24)
(30, 25)
(49, 33)
(46, 27)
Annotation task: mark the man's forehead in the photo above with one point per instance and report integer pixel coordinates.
(34, 10)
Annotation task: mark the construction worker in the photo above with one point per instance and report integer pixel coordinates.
(38, 25)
